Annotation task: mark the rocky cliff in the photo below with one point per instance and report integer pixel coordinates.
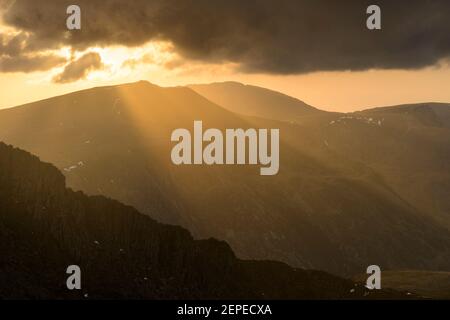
(45, 227)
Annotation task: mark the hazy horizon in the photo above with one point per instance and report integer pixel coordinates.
(38, 96)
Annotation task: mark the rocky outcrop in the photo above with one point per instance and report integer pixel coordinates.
(45, 227)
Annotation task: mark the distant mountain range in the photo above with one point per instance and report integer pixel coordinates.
(369, 187)
(123, 254)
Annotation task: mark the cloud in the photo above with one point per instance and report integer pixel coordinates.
(174, 63)
(79, 69)
(133, 63)
(30, 63)
(14, 59)
(282, 37)
(12, 45)
(5, 4)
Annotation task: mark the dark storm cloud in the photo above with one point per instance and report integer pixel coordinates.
(79, 69)
(12, 46)
(262, 36)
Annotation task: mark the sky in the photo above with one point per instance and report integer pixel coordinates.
(318, 51)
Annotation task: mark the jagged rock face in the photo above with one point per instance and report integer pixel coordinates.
(45, 227)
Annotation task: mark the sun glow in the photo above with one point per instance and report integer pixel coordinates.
(119, 62)
(122, 62)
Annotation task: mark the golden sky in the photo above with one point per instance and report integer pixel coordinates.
(40, 59)
(336, 91)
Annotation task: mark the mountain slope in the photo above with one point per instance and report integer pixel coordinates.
(324, 210)
(408, 146)
(255, 101)
(45, 227)
(432, 113)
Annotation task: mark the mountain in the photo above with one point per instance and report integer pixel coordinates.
(330, 207)
(432, 114)
(398, 137)
(408, 146)
(255, 101)
(45, 227)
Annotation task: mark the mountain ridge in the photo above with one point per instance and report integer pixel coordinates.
(255, 101)
(45, 227)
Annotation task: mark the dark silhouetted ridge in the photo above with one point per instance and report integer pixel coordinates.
(45, 227)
